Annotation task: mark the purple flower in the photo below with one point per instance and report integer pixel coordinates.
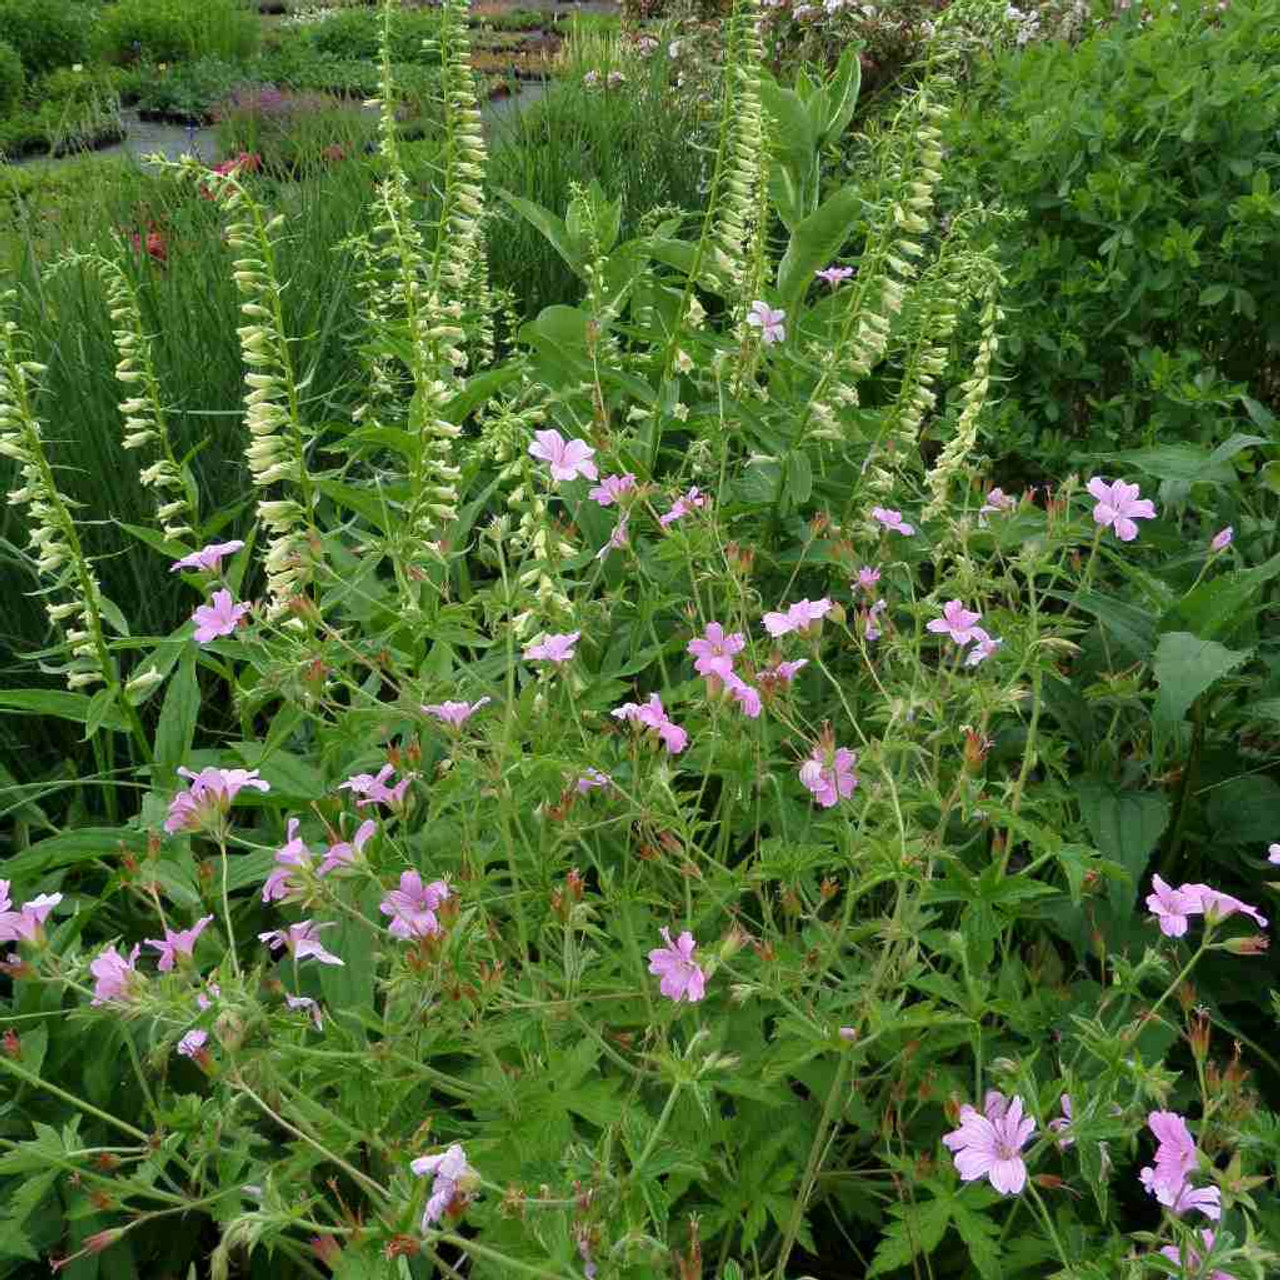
(592, 779)
(715, 651)
(871, 628)
(1118, 506)
(682, 977)
(26, 925)
(373, 789)
(744, 695)
(829, 774)
(956, 622)
(204, 1001)
(450, 1170)
(412, 907)
(834, 276)
(307, 1003)
(567, 459)
(892, 520)
(552, 648)
(612, 489)
(291, 856)
(204, 805)
(799, 617)
(868, 578)
(1063, 1123)
(455, 714)
(1189, 1199)
(1217, 906)
(997, 501)
(768, 321)
(985, 647)
(1273, 853)
(1192, 1264)
(785, 672)
(617, 539)
(1175, 1152)
(220, 618)
(300, 941)
(991, 1145)
(207, 558)
(652, 716)
(687, 502)
(192, 1043)
(114, 976)
(1171, 907)
(1222, 539)
(344, 853)
(181, 943)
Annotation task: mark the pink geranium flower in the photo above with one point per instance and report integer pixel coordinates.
(871, 628)
(683, 505)
(985, 646)
(1118, 507)
(592, 779)
(784, 672)
(300, 941)
(829, 774)
(373, 789)
(220, 618)
(1193, 1263)
(612, 489)
(1171, 907)
(1175, 1152)
(682, 977)
(799, 617)
(834, 276)
(868, 578)
(412, 907)
(1218, 906)
(1063, 1123)
(307, 1004)
(292, 856)
(206, 803)
(715, 651)
(192, 1043)
(1222, 539)
(567, 459)
(991, 1145)
(893, 521)
(651, 715)
(454, 714)
(451, 1172)
(207, 558)
(997, 501)
(345, 853)
(956, 622)
(114, 976)
(744, 695)
(1273, 853)
(553, 648)
(26, 925)
(770, 322)
(178, 944)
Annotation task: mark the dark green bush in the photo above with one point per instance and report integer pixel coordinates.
(47, 33)
(1144, 296)
(191, 90)
(12, 78)
(355, 33)
(174, 30)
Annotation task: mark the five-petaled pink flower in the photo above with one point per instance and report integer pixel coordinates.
(300, 941)
(687, 502)
(1171, 907)
(207, 558)
(651, 715)
(192, 1043)
(829, 774)
(801, 616)
(868, 578)
(783, 672)
(1217, 906)
(617, 539)
(26, 925)
(834, 276)
(1273, 853)
(1176, 1158)
(292, 856)
(220, 618)
(567, 459)
(178, 943)
(991, 1145)
(985, 646)
(552, 648)
(770, 322)
(682, 977)
(114, 976)
(871, 627)
(345, 853)
(450, 1170)
(747, 697)
(592, 779)
(957, 622)
(204, 805)
(412, 907)
(306, 1003)
(1222, 539)
(715, 651)
(1062, 1125)
(454, 714)
(612, 489)
(892, 520)
(1193, 1263)
(1118, 506)
(997, 500)
(373, 789)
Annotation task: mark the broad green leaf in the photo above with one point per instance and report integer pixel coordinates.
(176, 731)
(84, 844)
(1185, 667)
(551, 225)
(57, 702)
(814, 242)
(1217, 608)
(1244, 811)
(1125, 826)
(1181, 463)
(918, 1229)
(840, 97)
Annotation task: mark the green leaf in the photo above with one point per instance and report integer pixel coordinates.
(919, 1229)
(1180, 463)
(1244, 811)
(814, 242)
(981, 1236)
(1217, 608)
(1214, 294)
(1125, 826)
(176, 731)
(840, 97)
(1186, 666)
(364, 502)
(71, 848)
(57, 702)
(551, 226)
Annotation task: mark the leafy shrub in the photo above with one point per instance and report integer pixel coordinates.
(75, 112)
(297, 65)
(1143, 294)
(174, 30)
(290, 131)
(190, 90)
(354, 34)
(12, 78)
(47, 35)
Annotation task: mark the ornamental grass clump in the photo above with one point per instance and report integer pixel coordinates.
(595, 824)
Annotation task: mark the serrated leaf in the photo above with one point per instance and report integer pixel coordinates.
(1186, 666)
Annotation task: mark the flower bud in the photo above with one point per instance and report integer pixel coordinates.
(1252, 945)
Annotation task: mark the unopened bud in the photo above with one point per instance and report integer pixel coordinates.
(1252, 945)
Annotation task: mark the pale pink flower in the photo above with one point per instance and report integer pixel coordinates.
(1273, 853)
(682, 977)
(997, 501)
(114, 976)
(1193, 1263)
(991, 1145)
(957, 622)
(592, 779)
(345, 853)
(1222, 539)
(868, 578)
(292, 856)
(1063, 1123)
(306, 1003)
(1171, 907)
(893, 521)
(207, 558)
(612, 489)
(178, 943)
(300, 940)
(220, 618)
(770, 322)
(985, 646)
(651, 715)
(412, 907)
(373, 789)
(801, 616)
(687, 502)
(567, 459)
(1118, 506)
(205, 1001)
(450, 1171)
(192, 1043)
(1218, 905)
(1175, 1153)
(848, 1033)
(829, 775)
(617, 539)
(834, 276)
(871, 628)
(26, 925)
(744, 695)
(785, 672)
(204, 805)
(715, 651)
(1189, 1199)
(552, 648)
(454, 714)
